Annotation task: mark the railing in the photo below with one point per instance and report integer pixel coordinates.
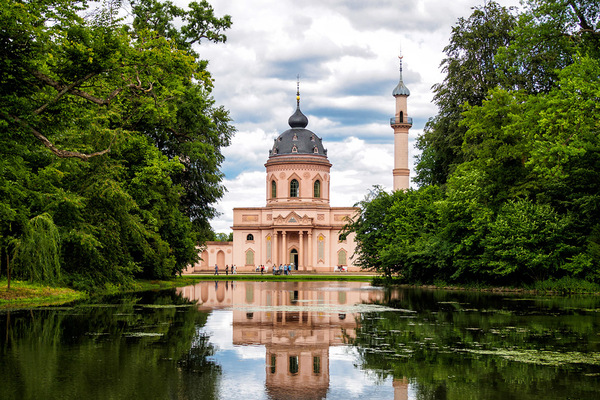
(403, 120)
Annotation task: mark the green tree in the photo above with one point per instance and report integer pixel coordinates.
(471, 71)
(110, 128)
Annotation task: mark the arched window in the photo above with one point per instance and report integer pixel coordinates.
(342, 257)
(273, 189)
(250, 237)
(315, 149)
(249, 257)
(294, 188)
(294, 149)
(317, 189)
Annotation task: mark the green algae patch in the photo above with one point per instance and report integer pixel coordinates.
(541, 357)
(25, 294)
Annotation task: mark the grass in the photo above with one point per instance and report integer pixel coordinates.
(26, 294)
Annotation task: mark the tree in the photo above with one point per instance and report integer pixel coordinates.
(471, 71)
(109, 127)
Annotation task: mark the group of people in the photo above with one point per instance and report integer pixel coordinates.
(283, 269)
(233, 269)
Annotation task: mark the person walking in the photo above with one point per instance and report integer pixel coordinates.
(227, 269)
(216, 269)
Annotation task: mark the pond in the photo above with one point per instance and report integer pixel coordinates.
(304, 340)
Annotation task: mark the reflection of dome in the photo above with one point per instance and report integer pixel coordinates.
(298, 139)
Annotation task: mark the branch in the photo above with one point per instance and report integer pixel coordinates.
(62, 89)
(58, 152)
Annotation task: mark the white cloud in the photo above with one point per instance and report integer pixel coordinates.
(346, 54)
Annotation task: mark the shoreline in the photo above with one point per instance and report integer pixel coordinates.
(28, 295)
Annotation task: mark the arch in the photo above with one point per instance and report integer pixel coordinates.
(221, 259)
(342, 257)
(249, 257)
(204, 261)
(317, 189)
(250, 237)
(273, 189)
(294, 188)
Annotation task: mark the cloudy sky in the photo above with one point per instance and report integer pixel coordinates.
(346, 53)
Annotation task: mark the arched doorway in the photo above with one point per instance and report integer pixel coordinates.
(294, 258)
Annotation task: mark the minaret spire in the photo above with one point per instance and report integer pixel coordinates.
(298, 91)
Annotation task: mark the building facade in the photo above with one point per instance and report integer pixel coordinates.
(297, 225)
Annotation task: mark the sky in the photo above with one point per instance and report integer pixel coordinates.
(346, 54)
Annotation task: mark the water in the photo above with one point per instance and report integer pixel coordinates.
(304, 340)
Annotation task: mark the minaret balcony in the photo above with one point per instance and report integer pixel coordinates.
(401, 120)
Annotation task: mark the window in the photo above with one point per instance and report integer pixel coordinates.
(294, 367)
(316, 365)
(317, 189)
(249, 257)
(294, 188)
(294, 149)
(342, 257)
(321, 248)
(273, 189)
(250, 237)
(315, 150)
(273, 360)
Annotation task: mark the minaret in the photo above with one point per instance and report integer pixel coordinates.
(401, 123)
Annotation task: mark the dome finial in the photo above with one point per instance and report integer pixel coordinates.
(401, 89)
(298, 120)
(298, 91)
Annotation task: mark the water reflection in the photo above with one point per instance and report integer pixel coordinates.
(297, 323)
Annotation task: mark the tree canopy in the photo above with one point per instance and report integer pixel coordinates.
(108, 130)
(509, 172)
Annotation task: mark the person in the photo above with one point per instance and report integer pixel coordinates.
(233, 269)
(216, 269)
(274, 269)
(280, 268)
(227, 269)
(262, 269)
(290, 268)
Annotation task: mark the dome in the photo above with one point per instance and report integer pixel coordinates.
(298, 139)
(401, 90)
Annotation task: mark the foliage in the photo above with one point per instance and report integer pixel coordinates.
(107, 126)
(471, 70)
(521, 203)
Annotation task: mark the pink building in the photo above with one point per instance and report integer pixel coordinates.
(297, 225)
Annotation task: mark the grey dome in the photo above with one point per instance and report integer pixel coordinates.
(401, 90)
(298, 139)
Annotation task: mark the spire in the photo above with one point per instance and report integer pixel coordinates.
(298, 120)
(298, 91)
(401, 89)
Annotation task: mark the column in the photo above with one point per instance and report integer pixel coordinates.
(285, 255)
(301, 251)
(309, 263)
(275, 248)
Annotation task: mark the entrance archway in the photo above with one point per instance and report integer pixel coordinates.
(294, 258)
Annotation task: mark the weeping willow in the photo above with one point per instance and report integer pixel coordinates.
(36, 253)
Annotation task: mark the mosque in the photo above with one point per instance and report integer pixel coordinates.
(297, 225)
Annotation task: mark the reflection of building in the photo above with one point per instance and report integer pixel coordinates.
(297, 224)
(297, 322)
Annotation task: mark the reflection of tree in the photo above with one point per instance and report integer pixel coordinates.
(455, 346)
(146, 346)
